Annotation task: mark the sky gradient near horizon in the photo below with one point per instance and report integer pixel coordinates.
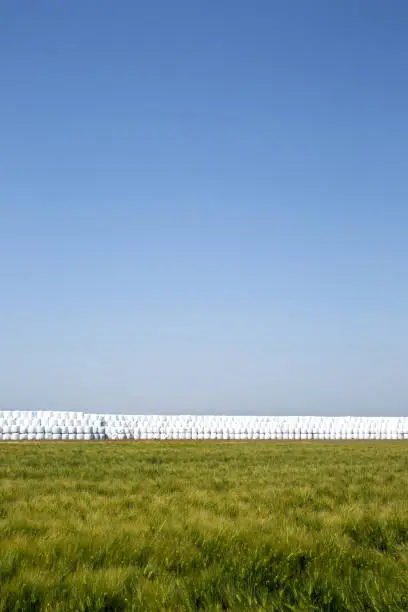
(204, 207)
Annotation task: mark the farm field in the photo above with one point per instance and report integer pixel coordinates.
(282, 525)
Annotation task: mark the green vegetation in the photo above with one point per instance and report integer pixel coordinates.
(204, 526)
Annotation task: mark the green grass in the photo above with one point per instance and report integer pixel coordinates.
(204, 526)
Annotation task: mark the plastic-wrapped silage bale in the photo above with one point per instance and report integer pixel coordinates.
(14, 428)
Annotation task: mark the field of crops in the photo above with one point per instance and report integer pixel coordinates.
(204, 525)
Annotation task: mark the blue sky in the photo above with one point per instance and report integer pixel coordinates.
(204, 206)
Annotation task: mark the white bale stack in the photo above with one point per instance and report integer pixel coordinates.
(50, 425)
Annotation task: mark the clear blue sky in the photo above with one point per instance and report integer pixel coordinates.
(204, 206)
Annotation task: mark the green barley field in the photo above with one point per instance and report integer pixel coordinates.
(204, 526)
